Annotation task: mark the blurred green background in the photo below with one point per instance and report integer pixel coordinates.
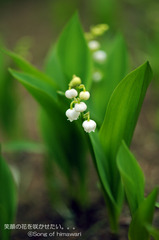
(35, 26)
(31, 27)
(42, 21)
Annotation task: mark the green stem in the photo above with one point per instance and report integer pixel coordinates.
(73, 102)
(82, 86)
(87, 115)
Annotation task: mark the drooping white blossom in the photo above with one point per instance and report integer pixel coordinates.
(99, 56)
(80, 107)
(72, 114)
(84, 95)
(93, 45)
(71, 93)
(97, 76)
(89, 125)
(77, 106)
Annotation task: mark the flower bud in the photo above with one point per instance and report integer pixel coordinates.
(84, 95)
(99, 56)
(72, 114)
(89, 125)
(80, 107)
(99, 29)
(93, 45)
(71, 93)
(75, 81)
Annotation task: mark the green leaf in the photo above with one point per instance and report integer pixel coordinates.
(132, 177)
(142, 217)
(122, 114)
(29, 69)
(8, 198)
(23, 146)
(157, 204)
(153, 231)
(53, 69)
(73, 52)
(33, 81)
(124, 108)
(63, 138)
(114, 69)
(101, 162)
(67, 144)
(43, 95)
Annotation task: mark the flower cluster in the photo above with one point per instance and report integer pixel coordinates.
(99, 56)
(78, 93)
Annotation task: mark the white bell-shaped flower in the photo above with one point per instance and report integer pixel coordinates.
(84, 95)
(71, 93)
(99, 56)
(97, 76)
(89, 125)
(72, 114)
(80, 107)
(94, 45)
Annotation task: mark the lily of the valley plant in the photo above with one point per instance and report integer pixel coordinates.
(114, 100)
(80, 107)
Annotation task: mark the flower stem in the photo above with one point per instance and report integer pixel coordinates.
(73, 102)
(82, 86)
(87, 115)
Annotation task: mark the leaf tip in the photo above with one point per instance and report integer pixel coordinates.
(11, 71)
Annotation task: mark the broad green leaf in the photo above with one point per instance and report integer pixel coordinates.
(66, 142)
(114, 69)
(8, 198)
(73, 52)
(32, 80)
(63, 138)
(101, 162)
(53, 69)
(132, 177)
(154, 232)
(157, 204)
(44, 97)
(122, 114)
(124, 108)
(142, 217)
(29, 69)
